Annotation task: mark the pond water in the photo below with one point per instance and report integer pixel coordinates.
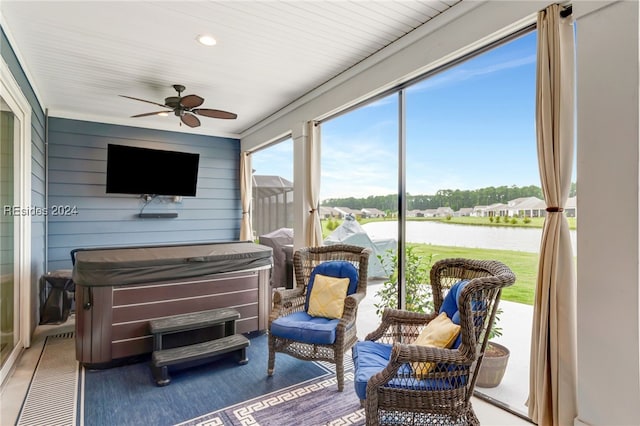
(446, 234)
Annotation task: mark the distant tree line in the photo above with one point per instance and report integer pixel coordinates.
(454, 198)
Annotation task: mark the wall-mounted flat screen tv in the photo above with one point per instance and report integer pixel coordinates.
(133, 170)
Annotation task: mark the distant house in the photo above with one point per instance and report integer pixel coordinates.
(478, 211)
(522, 207)
(444, 211)
(465, 211)
(428, 213)
(497, 209)
(518, 207)
(527, 207)
(343, 212)
(372, 212)
(326, 212)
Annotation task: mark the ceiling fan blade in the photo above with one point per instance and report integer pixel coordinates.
(190, 120)
(143, 100)
(214, 113)
(191, 101)
(150, 113)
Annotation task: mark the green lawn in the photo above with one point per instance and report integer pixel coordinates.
(524, 266)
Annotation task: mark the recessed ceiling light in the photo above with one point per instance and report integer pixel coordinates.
(206, 39)
(163, 114)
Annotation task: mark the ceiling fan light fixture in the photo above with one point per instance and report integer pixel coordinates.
(185, 107)
(206, 39)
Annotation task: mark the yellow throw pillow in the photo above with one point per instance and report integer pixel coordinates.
(327, 296)
(439, 333)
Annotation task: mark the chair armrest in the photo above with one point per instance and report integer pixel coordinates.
(353, 300)
(403, 353)
(407, 317)
(282, 296)
(351, 303)
(392, 317)
(286, 302)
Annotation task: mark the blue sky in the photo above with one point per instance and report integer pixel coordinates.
(468, 127)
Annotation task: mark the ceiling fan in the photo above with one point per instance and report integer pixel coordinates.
(185, 107)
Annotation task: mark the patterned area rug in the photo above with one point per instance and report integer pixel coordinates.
(312, 403)
(221, 393)
(127, 395)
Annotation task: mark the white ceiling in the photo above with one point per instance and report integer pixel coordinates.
(80, 55)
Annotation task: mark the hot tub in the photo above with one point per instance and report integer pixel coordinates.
(119, 289)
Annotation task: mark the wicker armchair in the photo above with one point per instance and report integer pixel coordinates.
(322, 339)
(392, 374)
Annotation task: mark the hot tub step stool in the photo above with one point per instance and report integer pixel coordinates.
(230, 342)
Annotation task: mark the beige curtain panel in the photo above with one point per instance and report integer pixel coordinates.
(314, 229)
(552, 386)
(246, 233)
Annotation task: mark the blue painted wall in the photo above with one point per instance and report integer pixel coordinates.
(37, 168)
(77, 176)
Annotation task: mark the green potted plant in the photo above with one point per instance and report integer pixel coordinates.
(495, 360)
(418, 290)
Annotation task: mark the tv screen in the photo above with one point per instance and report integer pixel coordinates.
(133, 170)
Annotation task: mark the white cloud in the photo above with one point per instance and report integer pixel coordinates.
(359, 166)
(274, 160)
(463, 73)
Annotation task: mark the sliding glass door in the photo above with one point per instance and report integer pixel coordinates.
(456, 149)
(9, 306)
(15, 224)
(474, 185)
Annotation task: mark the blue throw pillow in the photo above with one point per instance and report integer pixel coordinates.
(337, 269)
(450, 302)
(451, 307)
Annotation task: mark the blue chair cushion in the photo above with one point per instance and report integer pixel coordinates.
(302, 327)
(370, 358)
(451, 307)
(337, 269)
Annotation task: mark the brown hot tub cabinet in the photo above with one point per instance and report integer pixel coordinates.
(119, 290)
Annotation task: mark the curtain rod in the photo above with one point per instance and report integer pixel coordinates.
(567, 11)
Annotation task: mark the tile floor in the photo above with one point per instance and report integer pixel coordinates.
(15, 388)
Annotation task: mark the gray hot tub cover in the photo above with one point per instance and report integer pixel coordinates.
(129, 265)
